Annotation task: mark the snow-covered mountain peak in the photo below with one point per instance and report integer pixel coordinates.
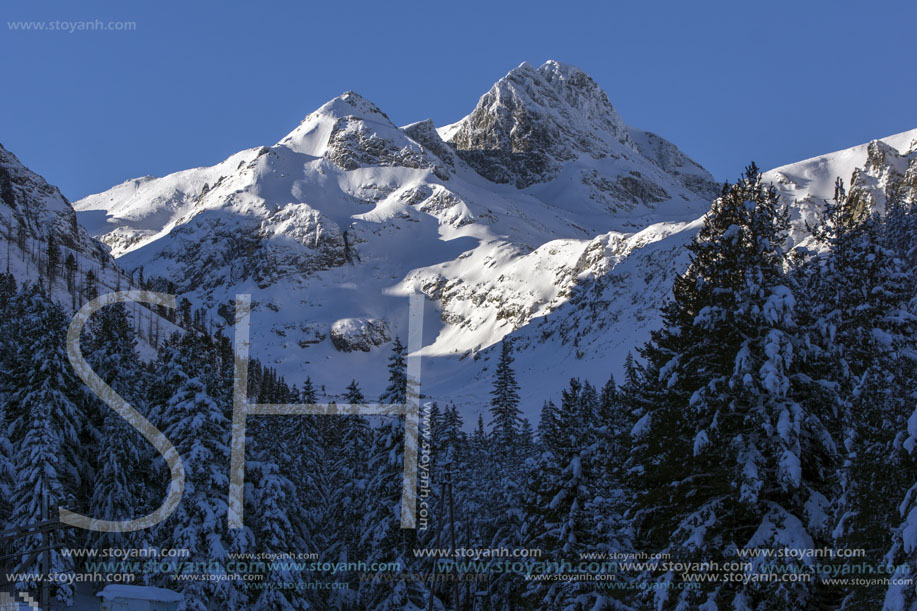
(18, 183)
(353, 133)
(32, 212)
(583, 94)
(45, 244)
(349, 212)
(532, 121)
(311, 136)
(349, 105)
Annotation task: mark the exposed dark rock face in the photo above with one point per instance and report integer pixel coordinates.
(424, 133)
(887, 174)
(532, 120)
(235, 249)
(625, 192)
(353, 145)
(672, 161)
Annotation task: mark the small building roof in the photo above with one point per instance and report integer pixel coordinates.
(139, 593)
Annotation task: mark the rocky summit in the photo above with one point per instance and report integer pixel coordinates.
(541, 216)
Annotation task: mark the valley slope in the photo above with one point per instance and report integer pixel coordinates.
(541, 216)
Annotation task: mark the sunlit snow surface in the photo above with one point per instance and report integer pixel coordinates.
(348, 214)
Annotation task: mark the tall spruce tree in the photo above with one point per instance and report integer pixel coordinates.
(574, 503)
(734, 452)
(504, 402)
(45, 417)
(8, 316)
(383, 539)
(889, 390)
(118, 488)
(188, 407)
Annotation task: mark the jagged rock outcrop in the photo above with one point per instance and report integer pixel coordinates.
(872, 173)
(35, 210)
(554, 124)
(425, 134)
(887, 174)
(43, 242)
(675, 163)
(531, 121)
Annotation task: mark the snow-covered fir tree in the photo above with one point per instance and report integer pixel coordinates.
(8, 315)
(196, 423)
(44, 415)
(733, 454)
(119, 456)
(504, 403)
(382, 538)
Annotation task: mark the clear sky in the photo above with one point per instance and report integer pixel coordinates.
(196, 81)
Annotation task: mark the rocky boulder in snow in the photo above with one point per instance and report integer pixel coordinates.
(359, 334)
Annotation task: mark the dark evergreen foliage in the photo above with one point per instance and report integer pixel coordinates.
(775, 408)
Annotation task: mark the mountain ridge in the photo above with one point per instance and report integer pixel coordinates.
(349, 213)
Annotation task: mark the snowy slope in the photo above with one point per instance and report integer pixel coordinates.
(334, 225)
(615, 305)
(872, 169)
(622, 282)
(815, 177)
(33, 214)
(613, 309)
(541, 215)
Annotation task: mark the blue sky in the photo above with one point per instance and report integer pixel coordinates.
(196, 81)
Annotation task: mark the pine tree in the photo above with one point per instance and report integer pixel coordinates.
(396, 391)
(278, 523)
(354, 395)
(117, 487)
(44, 417)
(90, 287)
(498, 459)
(53, 261)
(353, 473)
(507, 417)
(733, 447)
(9, 314)
(383, 539)
(452, 437)
(856, 337)
(573, 504)
(189, 415)
(70, 266)
(308, 395)
(884, 437)
(279, 471)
